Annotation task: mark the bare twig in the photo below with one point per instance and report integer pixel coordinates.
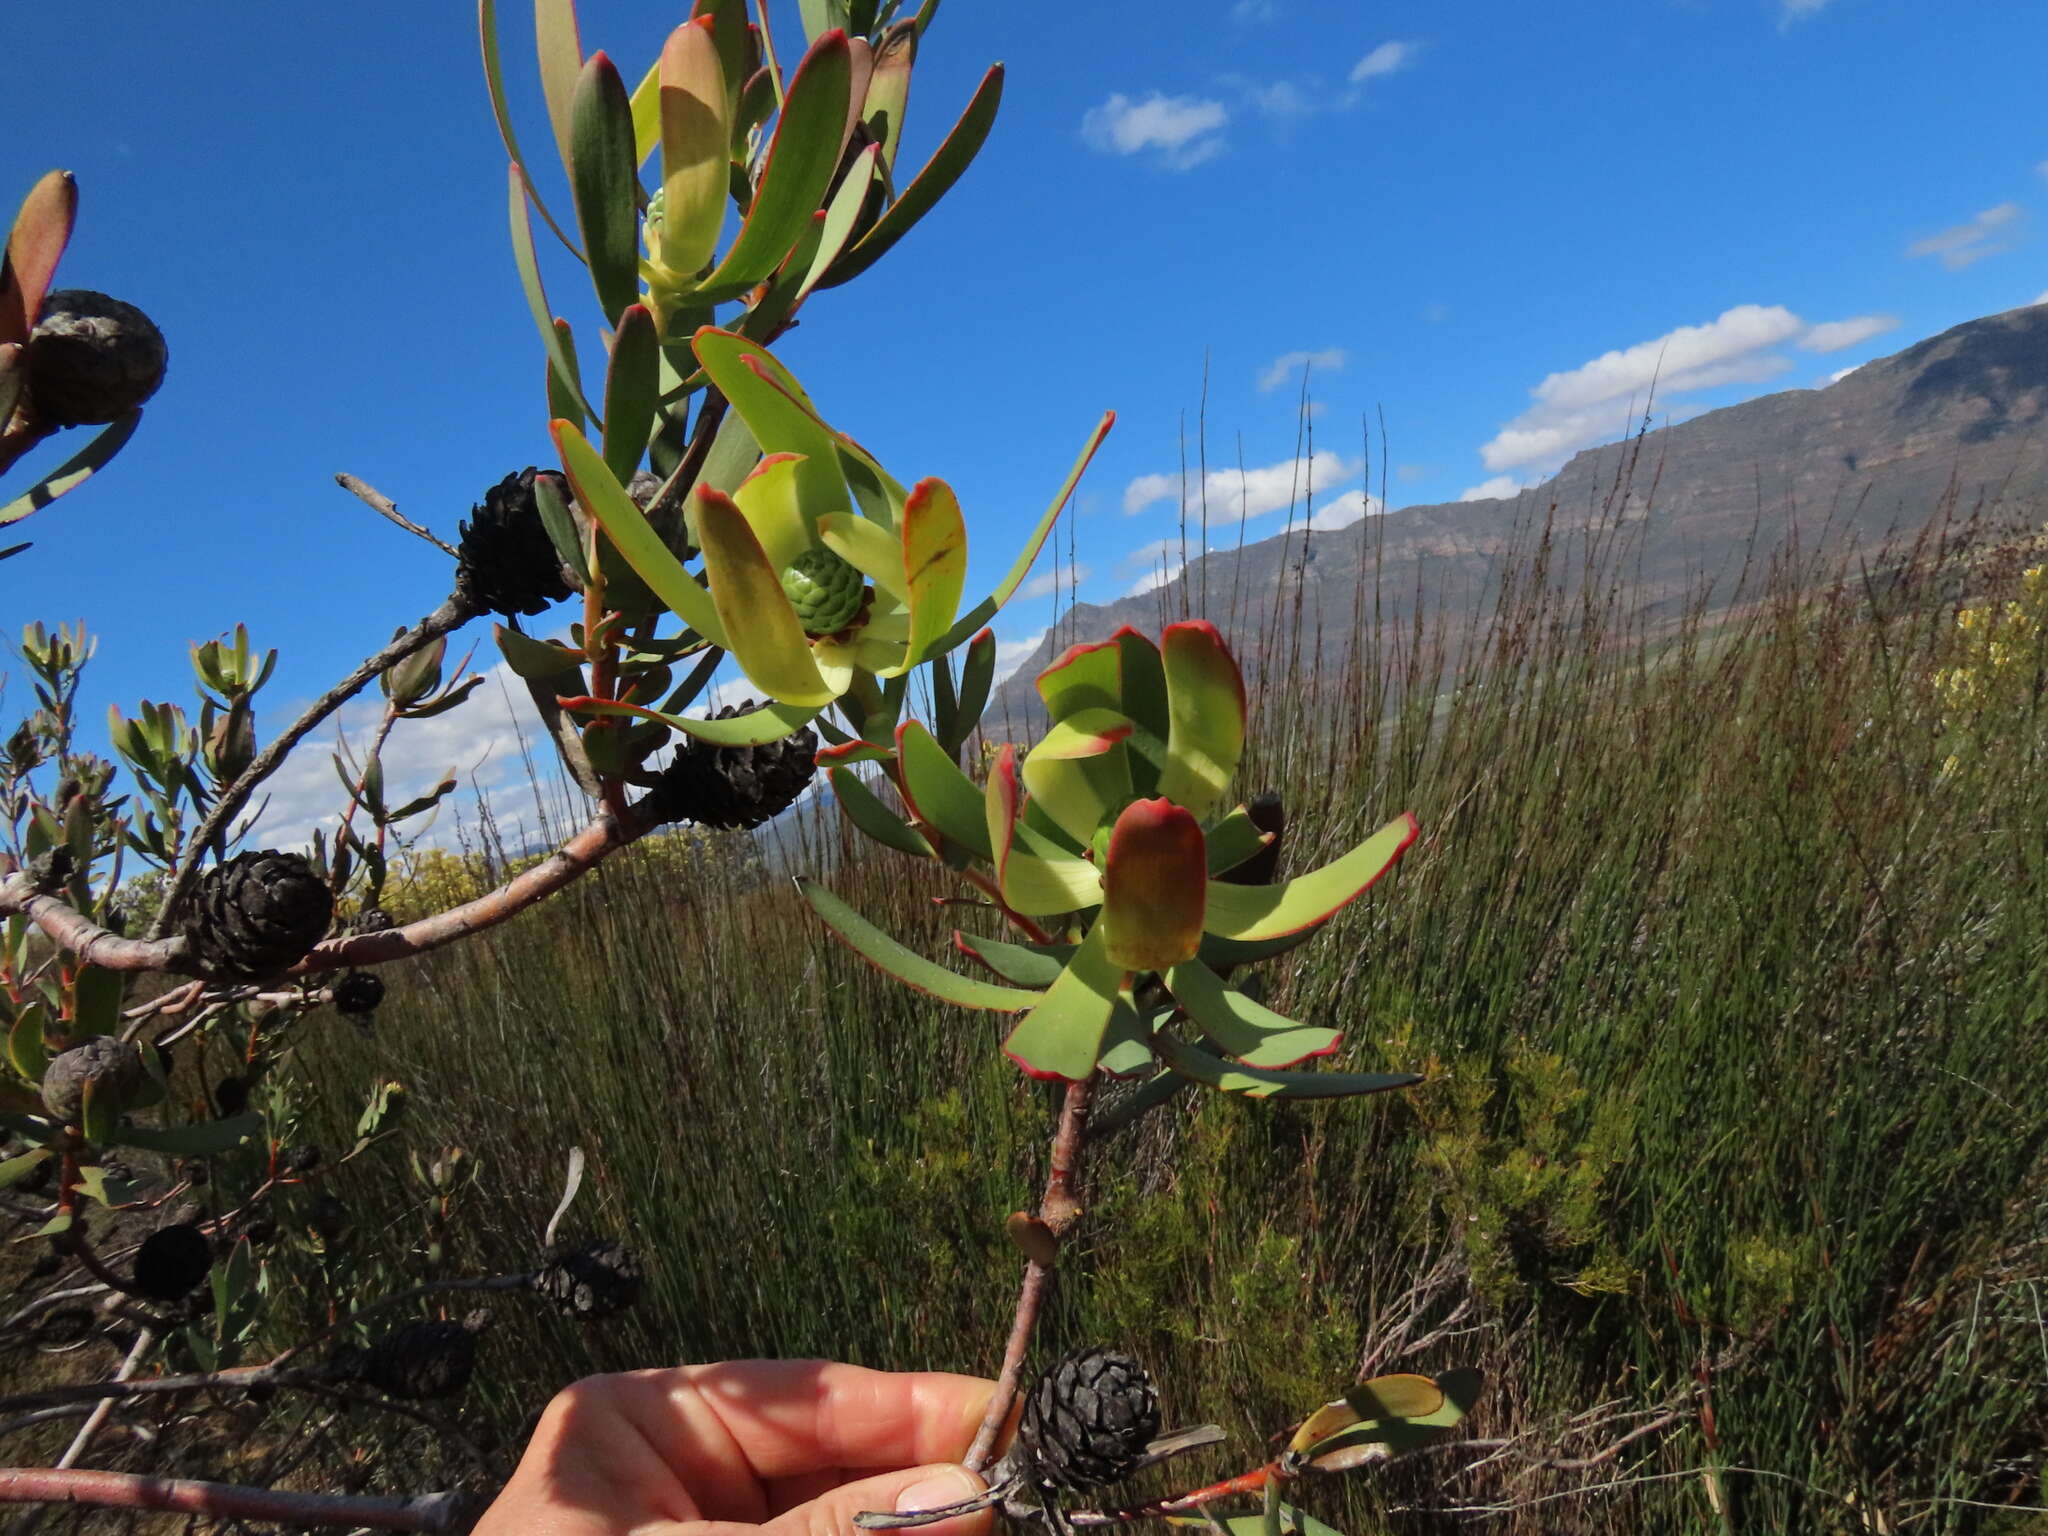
(86, 939)
(124, 1490)
(383, 506)
(1058, 1209)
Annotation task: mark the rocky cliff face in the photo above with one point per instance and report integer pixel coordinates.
(1958, 421)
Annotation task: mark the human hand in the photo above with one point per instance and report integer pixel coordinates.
(788, 1447)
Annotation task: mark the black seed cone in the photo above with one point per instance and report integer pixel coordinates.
(171, 1261)
(116, 1063)
(729, 787)
(590, 1283)
(508, 563)
(257, 913)
(420, 1360)
(1088, 1420)
(92, 359)
(358, 993)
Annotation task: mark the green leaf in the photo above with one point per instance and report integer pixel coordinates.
(802, 155)
(494, 83)
(776, 410)
(934, 565)
(605, 181)
(560, 355)
(99, 1112)
(1253, 913)
(1127, 1043)
(1233, 840)
(889, 89)
(96, 1000)
(946, 166)
(906, 966)
(821, 16)
(1062, 1036)
(1074, 772)
(757, 727)
(25, 1049)
(1384, 1434)
(202, 1139)
(867, 812)
(1036, 877)
(868, 547)
(606, 501)
(696, 140)
(939, 792)
(989, 606)
(74, 471)
(1241, 1027)
(1153, 883)
(1026, 965)
(729, 30)
(1206, 1067)
(842, 214)
(15, 1169)
(768, 499)
(733, 455)
(560, 52)
(846, 750)
(1292, 1521)
(977, 677)
(1205, 706)
(1143, 697)
(762, 630)
(632, 390)
(566, 400)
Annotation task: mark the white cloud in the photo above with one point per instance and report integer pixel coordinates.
(1834, 335)
(1252, 11)
(1287, 364)
(1233, 495)
(2042, 299)
(1842, 373)
(1013, 653)
(1059, 579)
(478, 742)
(1281, 98)
(1597, 400)
(1988, 233)
(1498, 488)
(1154, 579)
(1387, 59)
(1342, 511)
(1799, 10)
(1183, 130)
(2042, 170)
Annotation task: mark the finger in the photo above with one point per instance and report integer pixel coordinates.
(831, 1514)
(766, 1420)
(589, 1470)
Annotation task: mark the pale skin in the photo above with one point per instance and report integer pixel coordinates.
(785, 1447)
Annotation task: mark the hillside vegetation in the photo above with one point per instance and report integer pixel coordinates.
(1723, 951)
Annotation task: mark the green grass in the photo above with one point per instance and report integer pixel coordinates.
(1730, 1006)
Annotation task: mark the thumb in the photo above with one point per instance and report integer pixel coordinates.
(913, 1488)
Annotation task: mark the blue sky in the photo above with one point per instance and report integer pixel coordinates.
(1493, 222)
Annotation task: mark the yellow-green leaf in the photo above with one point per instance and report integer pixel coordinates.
(762, 630)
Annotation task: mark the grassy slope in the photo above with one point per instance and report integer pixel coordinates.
(1730, 1004)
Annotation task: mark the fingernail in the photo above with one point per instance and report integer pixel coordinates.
(947, 1485)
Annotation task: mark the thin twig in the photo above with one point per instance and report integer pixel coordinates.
(383, 506)
(1058, 1209)
(125, 1490)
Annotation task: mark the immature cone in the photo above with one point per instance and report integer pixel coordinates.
(171, 1261)
(590, 1283)
(825, 590)
(114, 1064)
(426, 1359)
(507, 561)
(92, 359)
(256, 914)
(1088, 1420)
(727, 787)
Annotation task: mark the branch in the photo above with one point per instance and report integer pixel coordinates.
(1058, 1209)
(450, 616)
(94, 945)
(384, 506)
(124, 1490)
(606, 834)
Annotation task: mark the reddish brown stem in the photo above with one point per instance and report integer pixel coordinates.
(1058, 1208)
(126, 1490)
(92, 944)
